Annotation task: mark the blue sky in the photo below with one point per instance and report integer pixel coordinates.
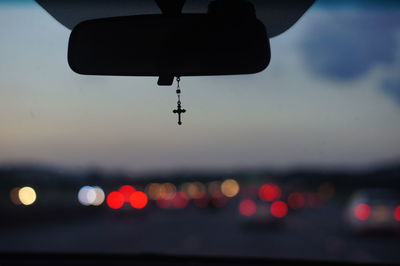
(330, 97)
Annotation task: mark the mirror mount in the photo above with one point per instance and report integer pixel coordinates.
(169, 8)
(165, 80)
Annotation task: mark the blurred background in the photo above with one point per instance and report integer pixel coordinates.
(299, 161)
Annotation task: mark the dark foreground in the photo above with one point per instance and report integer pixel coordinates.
(317, 234)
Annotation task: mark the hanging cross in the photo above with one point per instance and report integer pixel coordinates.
(179, 111)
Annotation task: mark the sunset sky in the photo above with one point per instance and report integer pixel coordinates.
(330, 97)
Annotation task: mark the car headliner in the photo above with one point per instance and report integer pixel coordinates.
(278, 16)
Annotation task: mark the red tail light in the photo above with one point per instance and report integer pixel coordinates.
(127, 191)
(269, 192)
(138, 200)
(247, 207)
(279, 209)
(115, 200)
(396, 213)
(362, 211)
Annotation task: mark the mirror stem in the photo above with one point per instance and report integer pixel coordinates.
(170, 8)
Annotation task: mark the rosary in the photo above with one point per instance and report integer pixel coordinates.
(179, 110)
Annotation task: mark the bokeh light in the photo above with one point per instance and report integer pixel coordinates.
(396, 213)
(362, 211)
(247, 207)
(89, 195)
(279, 209)
(27, 195)
(115, 200)
(269, 192)
(138, 200)
(167, 191)
(127, 191)
(230, 188)
(296, 200)
(180, 200)
(100, 196)
(14, 196)
(83, 195)
(195, 190)
(153, 190)
(214, 187)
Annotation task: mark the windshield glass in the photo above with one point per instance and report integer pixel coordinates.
(264, 165)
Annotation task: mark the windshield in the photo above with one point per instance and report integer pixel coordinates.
(264, 165)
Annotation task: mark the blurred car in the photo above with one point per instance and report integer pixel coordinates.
(258, 214)
(374, 210)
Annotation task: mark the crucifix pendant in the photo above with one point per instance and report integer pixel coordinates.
(179, 110)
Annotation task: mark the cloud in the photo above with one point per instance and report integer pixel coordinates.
(346, 45)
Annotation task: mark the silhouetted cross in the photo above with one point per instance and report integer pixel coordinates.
(179, 111)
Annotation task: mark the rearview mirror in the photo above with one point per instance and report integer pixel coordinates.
(162, 45)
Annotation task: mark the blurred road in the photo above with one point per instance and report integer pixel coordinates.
(319, 234)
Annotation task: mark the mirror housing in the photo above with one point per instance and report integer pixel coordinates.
(168, 46)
